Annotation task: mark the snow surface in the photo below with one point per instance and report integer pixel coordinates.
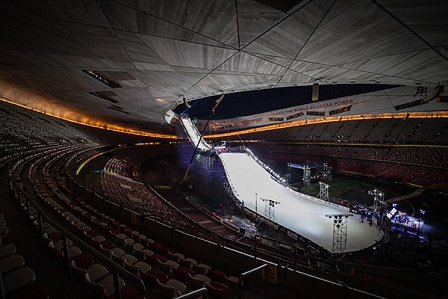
(195, 137)
(300, 213)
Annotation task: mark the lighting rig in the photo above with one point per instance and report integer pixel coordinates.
(339, 232)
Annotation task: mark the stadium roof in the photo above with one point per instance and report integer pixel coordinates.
(124, 63)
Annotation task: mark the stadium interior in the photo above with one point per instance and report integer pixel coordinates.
(119, 120)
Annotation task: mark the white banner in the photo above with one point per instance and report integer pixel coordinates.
(398, 99)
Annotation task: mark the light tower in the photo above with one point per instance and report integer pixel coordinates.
(326, 171)
(269, 208)
(378, 198)
(323, 193)
(306, 175)
(339, 232)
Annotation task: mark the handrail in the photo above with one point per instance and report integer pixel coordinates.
(67, 234)
(244, 275)
(195, 131)
(194, 294)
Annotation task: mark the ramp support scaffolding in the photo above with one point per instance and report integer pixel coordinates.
(200, 136)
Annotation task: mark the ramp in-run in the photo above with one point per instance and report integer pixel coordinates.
(193, 134)
(297, 212)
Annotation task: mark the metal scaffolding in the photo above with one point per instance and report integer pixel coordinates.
(326, 171)
(269, 209)
(384, 228)
(323, 193)
(378, 198)
(339, 232)
(307, 175)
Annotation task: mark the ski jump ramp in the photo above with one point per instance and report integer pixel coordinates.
(297, 212)
(194, 134)
(302, 214)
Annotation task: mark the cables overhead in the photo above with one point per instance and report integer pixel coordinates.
(217, 102)
(186, 103)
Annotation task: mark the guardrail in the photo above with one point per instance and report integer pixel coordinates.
(194, 294)
(200, 139)
(116, 269)
(244, 275)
